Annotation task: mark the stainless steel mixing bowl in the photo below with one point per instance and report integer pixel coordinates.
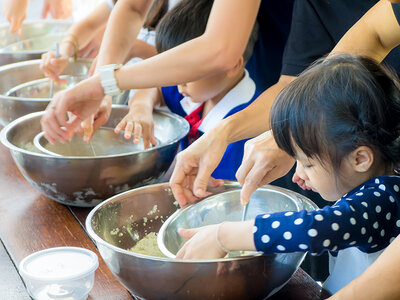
(103, 143)
(24, 89)
(223, 207)
(36, 38)
(86, 181)
(119, 222)
(14, 75)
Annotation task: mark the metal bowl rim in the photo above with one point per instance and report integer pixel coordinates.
(171, 218)
(6, 129)
(32, 52)
(27, 63)
(99, 240)
(33, 22)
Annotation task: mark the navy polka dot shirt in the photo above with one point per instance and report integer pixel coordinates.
(368, 218)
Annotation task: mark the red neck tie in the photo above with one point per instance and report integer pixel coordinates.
(194, 120)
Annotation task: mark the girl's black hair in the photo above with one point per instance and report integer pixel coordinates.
(156, 13)
(337, 105)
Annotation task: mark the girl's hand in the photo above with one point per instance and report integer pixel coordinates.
(15, 12)
(59, 9)
(202, 244)
(138, 121)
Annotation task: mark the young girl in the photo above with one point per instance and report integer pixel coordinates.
(339, 120)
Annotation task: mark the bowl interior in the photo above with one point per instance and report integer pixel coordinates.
(105, 142)
(223, 207)
(20, 134)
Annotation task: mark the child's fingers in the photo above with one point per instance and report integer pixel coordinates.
(128, 130)
(121, 125)
(137, 133)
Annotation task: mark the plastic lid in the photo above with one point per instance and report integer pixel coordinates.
(59, 264)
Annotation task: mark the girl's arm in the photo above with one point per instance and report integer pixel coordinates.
(384, 274)
(362, 220)
(374, 35)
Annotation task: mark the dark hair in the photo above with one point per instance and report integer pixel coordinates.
(337, 105)
(187, 21)
(158, 9)
(156, 13)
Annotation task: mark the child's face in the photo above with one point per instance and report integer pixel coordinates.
(209, 88)
(321, 177)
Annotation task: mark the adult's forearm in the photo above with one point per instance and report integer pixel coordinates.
(218, 49)
(125, 22)
(379, 282)
(374, 35)
(254, 120)
(84, 30)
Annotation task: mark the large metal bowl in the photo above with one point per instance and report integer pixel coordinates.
(145, 209)
(32, 41)
(223, 207)
(13, 102)
(86, 181)
(24, 89)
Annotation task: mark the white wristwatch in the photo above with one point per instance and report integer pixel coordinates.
(108, 81)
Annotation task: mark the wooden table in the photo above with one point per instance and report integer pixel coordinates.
(30, 222)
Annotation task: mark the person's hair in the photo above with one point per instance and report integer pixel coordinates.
(187, 21)
(337, 105)
(156, 13)
(158, 10)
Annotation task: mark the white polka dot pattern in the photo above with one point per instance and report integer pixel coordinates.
(367, 218)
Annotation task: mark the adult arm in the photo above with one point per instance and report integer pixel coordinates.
(374, 35)
(195, 164)
(384, 273)
(228, 30)
(78, 36)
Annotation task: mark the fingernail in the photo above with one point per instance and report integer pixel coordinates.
(199, 192)
(85, 138)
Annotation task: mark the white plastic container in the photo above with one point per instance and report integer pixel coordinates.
(63, 273)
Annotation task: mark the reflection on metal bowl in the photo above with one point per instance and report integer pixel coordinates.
(24, 89)
(104, 143)
(86, 181)
(111, 226)
(40, 88)
(223, 207)
(13, 47)
(14, 76)
(34, 45)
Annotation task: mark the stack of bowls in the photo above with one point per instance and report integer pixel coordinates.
(118, 223)
(87, 180)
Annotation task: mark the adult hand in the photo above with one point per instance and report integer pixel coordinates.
(194, 165)
(138, 121)
(89, 126)
(202, 243)
(52, 66)
(15, 12)
(81, 101)
(263, 162)
(59, 9)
